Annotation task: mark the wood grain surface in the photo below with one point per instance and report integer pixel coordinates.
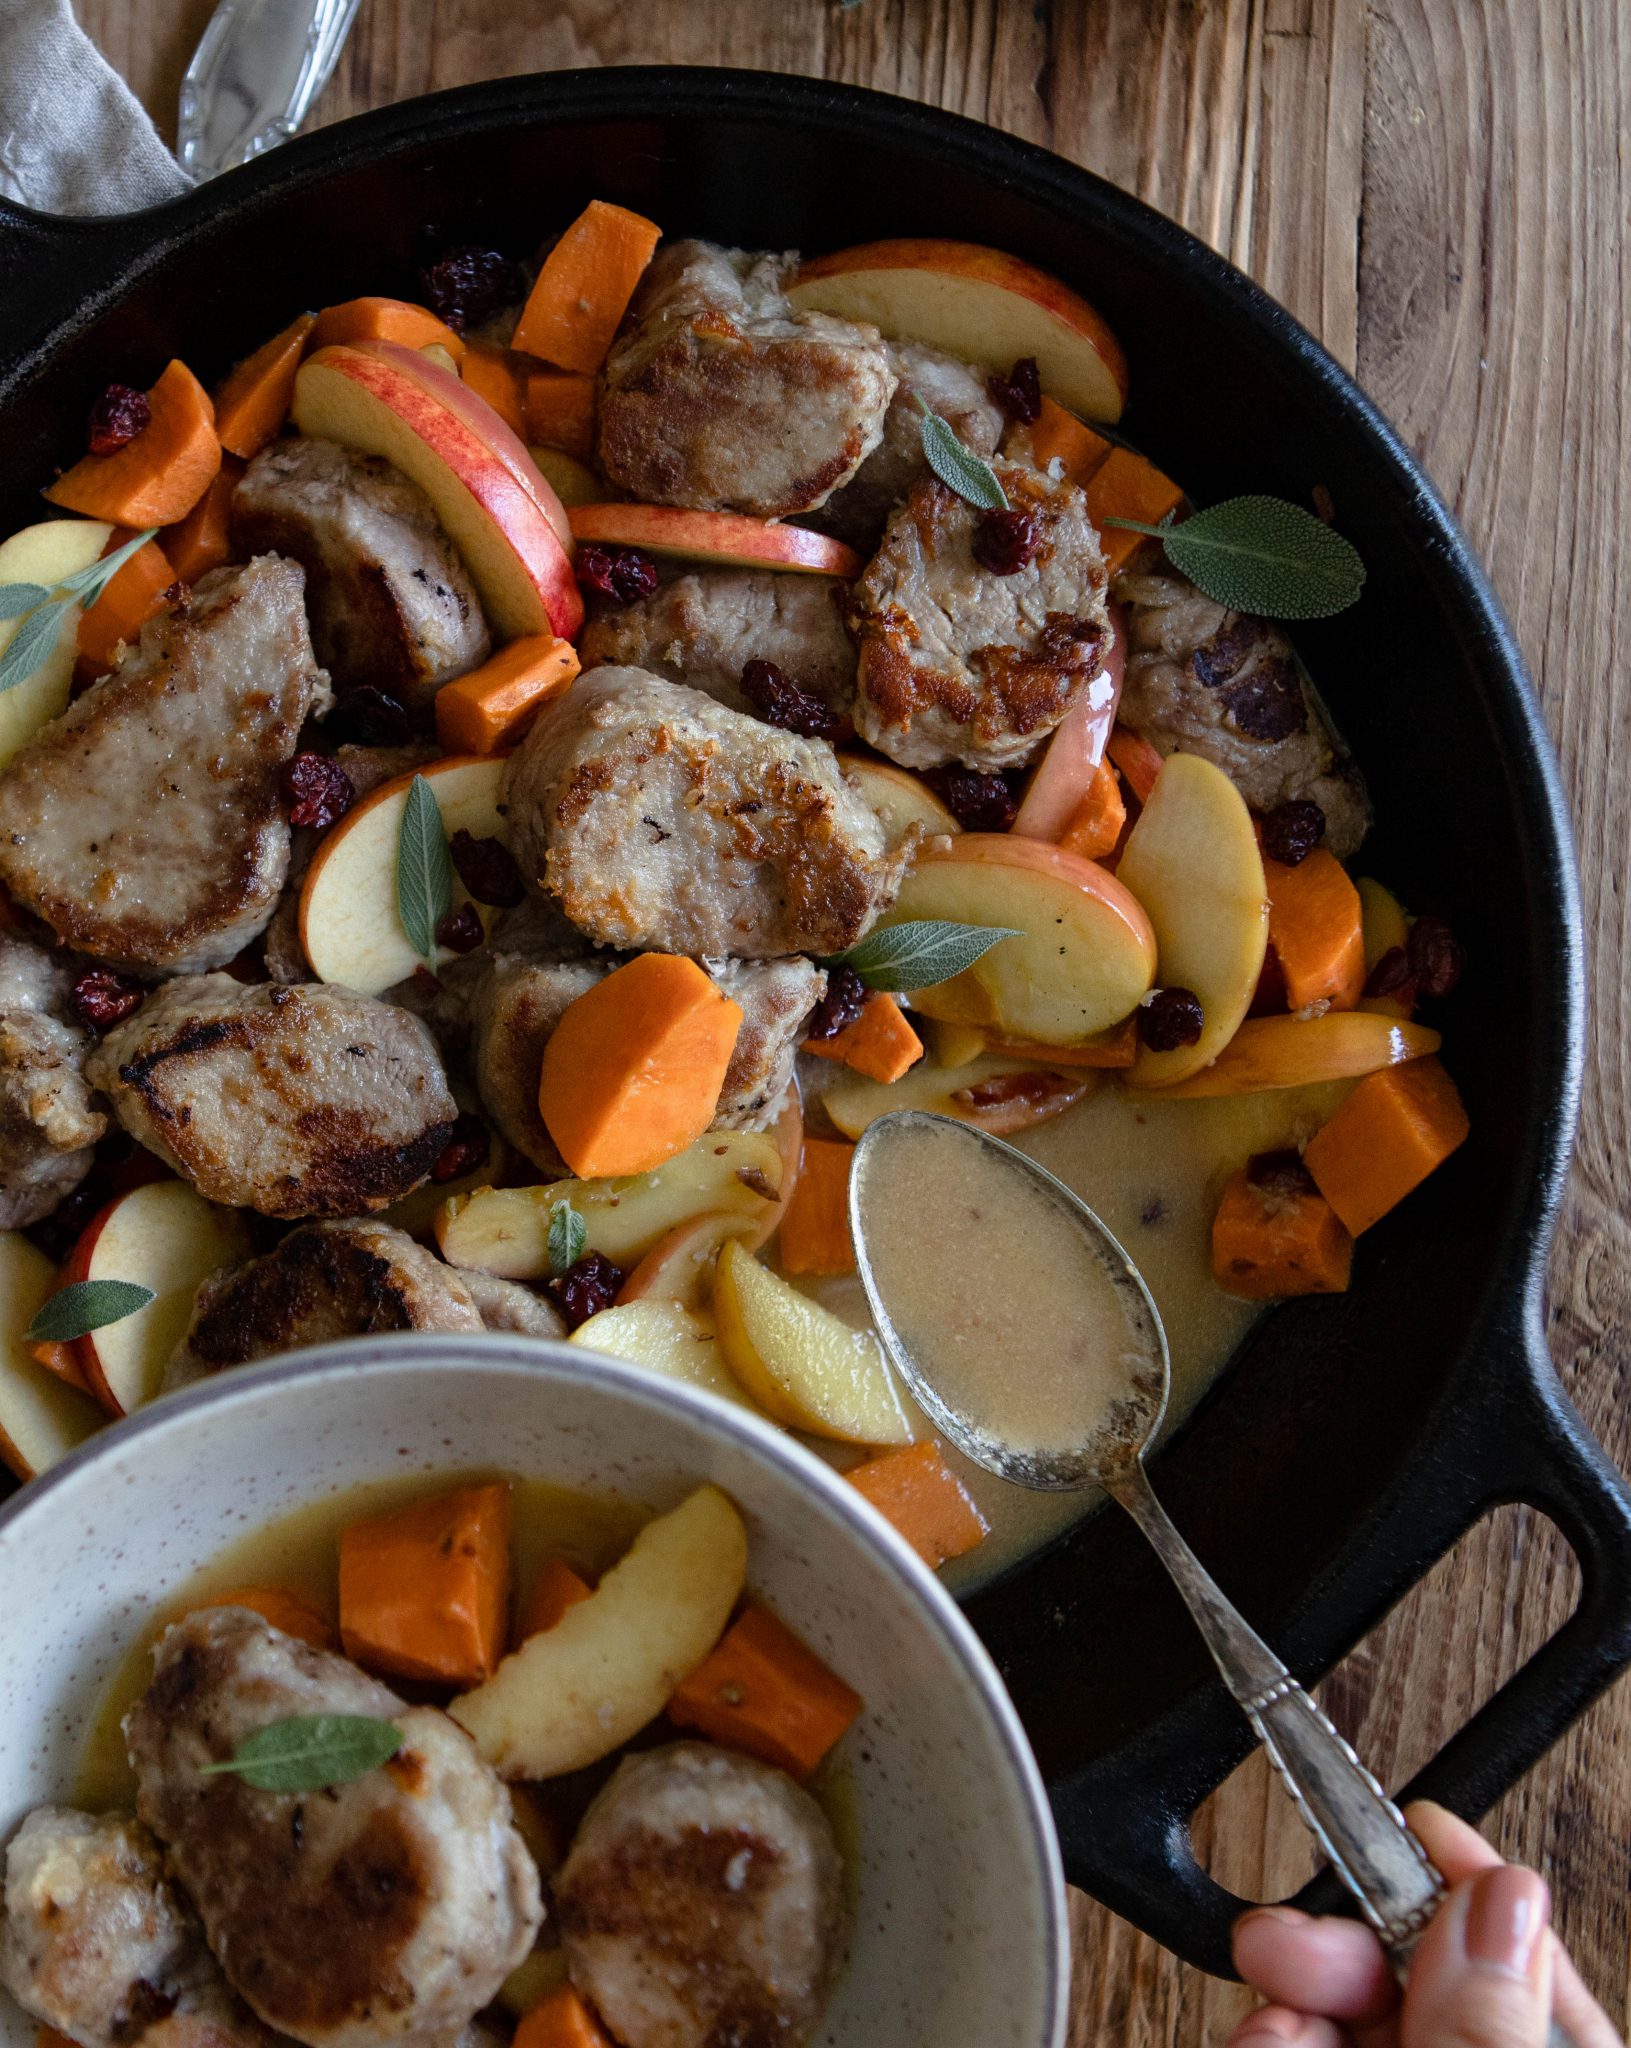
(1441, 190)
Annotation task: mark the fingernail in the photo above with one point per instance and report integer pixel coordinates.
(1274, 2023)
(1282, 1916)
(1506, 1917)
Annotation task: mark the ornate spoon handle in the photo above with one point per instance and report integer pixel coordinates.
(254, 76)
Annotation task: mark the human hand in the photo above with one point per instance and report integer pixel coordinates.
(1487, 1974)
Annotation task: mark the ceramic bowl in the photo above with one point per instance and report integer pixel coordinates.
(958, 1898)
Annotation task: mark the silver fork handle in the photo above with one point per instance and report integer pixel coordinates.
(254, 77)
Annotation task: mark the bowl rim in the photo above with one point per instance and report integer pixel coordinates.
(430, 1353)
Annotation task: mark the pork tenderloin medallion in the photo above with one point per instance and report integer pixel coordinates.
(775, 998)
(97, 1942)
(959, 663)
(391, 605)
(48, 1122)
(386, 1910)
(701, 1902)
(306, 1101)
(704, 627)
(1202, 679)
(719, 396)
(146, 825)
(660, 821)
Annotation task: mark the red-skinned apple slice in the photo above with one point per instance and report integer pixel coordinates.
(1082, 956)
(42, 1418)
(1061, 778)
(504, 519)
(163, 1235)
(726, 539)
(349, 928)
(978, 303)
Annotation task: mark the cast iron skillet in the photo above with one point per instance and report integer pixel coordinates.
(1356, 1438)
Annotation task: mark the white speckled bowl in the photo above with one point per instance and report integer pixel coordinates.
(959, 1924)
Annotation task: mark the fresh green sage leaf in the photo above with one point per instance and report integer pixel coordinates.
(424, 869)
(17, 598)
(1263, 555)
(88, 584)
(957, 467)
(310, 1752)
(920, 953)
(32, 642)
(87, 1305)
(568, 1233)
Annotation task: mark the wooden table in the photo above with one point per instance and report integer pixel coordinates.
(1440, 190)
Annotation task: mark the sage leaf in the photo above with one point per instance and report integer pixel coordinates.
(88, 584)
(920, 953)
(424, 869)
(32, 642)
(17, 598)
(568, 1233)
(310, 1752)
(85, 1306)
(957, 467)
(1263, 555)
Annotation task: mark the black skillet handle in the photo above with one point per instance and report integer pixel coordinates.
(1535, 1449)
(52, 269)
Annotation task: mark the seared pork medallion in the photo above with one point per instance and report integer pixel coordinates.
(311, 1101)
(965, 661)
(48, 1120)
(391, 605)
(656, 818)
(776, 998)
(1202, 679)
(704, 628)
(701, 1902)
(514, 1010)
(387, 1909)
(146, 824)
(719, 396)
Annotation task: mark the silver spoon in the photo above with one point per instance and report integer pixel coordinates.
(1369, 1842)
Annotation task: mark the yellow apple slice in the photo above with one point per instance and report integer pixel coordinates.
(801, 1364)
(349, 928)
(1192, 860)
(978, 303)
(385, 399)
(1083, 956)
(44, 554)
(579, 1690)
(1297, 1052)
(679, 1343)
(42, 1418)
(725, 539)
(162, 1235)
(1385, 926)
(1000, 1095)
(680, 1266)
(900, 799)
(506, 1230)
(572, 481)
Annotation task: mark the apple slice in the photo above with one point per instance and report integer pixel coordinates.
(1192, 860)
(679, 1268)
(978, 303)
(802, 1364)
(728, 540)
(42, 1418)
(163, 1235)
(572, 481)
(1001, 1095)
(900, 799)
(1084, 952)
(665, 1337)
(1065, 772)
(506, 522)
(1269, 1053)
(44, 554)
(349, 928)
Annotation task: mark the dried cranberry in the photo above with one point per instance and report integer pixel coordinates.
(1268, 704)
(979, 803)
(1435, 955)
(1391, 976)
(117, 417)
(839, 1007)
(369, 717)
(1006, 542)
(621, 573)
(466, 1149)
(461, 930)
(1170, 1018)
(318, 790)
(487, 869)
(1020, 392)
(586, 1288)
(467, 286)
(1292, 831)
(56, 1234)
(102, 997)
(1279, 1173)
(783, 703)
